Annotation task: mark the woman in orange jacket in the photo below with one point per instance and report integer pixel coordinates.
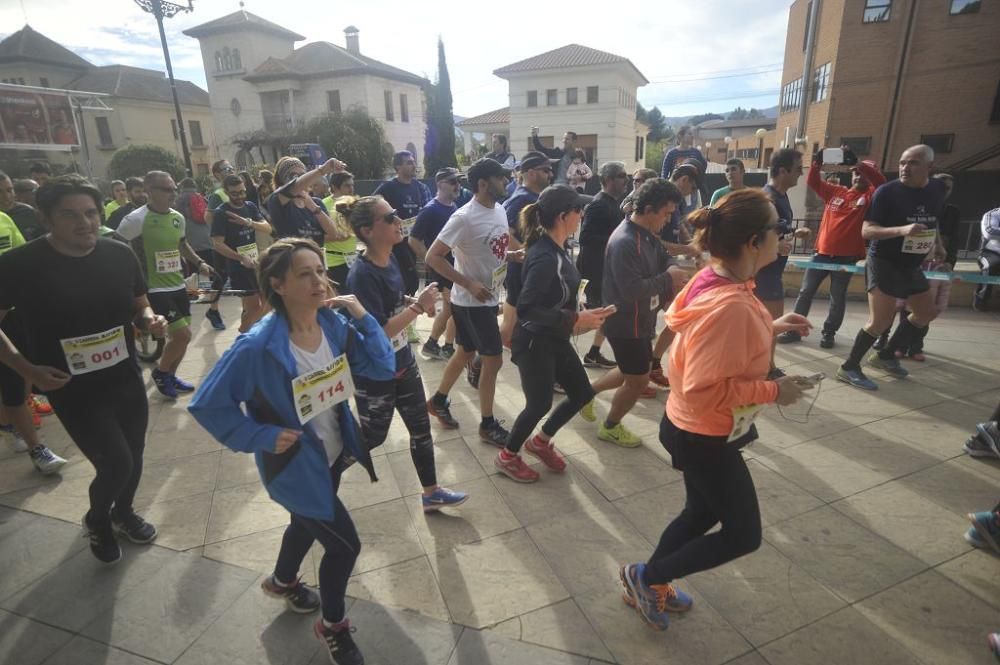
(718, 367)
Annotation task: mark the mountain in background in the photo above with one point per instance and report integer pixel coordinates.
(677, 121)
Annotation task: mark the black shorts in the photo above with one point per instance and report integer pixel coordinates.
(214, 259)
(339, 275)
(513, 283)
(893, 279)
(12, 386)
(175, 306)
(476, 329)
(242, 279)
(633, 356)
(442, 282)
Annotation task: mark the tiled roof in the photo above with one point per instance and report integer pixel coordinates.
(498, 117)
(27, 45)
(571, 55)
(320, 59)
(135, 83)
(241, 20)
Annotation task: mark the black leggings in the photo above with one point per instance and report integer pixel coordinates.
(109, 428)
(719, 489)
(341, 547)
(405, 393)
(542, 361)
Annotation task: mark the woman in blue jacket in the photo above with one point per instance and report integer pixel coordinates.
(293, 372)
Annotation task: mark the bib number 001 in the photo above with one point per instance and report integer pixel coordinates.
(91, 353)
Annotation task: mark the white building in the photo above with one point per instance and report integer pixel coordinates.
(258, 81)
(573, 88)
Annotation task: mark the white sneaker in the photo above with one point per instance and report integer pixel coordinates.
(45, 460)
(20, 445)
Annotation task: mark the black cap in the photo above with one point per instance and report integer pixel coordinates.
(446, 173)
(557, 199)
(485, 168)
(534, 159)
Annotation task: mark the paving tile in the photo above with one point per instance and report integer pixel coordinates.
(81, 650)
(409, 585)
(178, 478)
(821, 471)
(844, 637)
(650, 511)
(357, 490)
(907, 520)
(259, 552)
(181, 523)
(849, 559)
(31, 546)
(387, 534)
(765, 595)
(553, 494)
(453, 461)
(561, 626)
(958, 485)
(779, 498)
(484, 514)
(888, 457)
(27, 642)
(243, 510)
(617, 472)
(486, 648)
(977, 572)
(492, 580)
(935, 618)
(752, 658)
(166, 614)
(925, 430)
(236, 469)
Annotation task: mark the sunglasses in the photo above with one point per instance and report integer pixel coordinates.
(390, 217)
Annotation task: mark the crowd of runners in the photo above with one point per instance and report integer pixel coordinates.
(332, 283)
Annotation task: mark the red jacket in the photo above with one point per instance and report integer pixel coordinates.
(844, 213)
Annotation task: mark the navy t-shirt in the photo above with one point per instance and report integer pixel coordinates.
(406, 199)
(893, 205)
(291, 221)
(677, 156)
(513, 207)
(785, 216)
(430, 220)
(380, 291)
(235, 235)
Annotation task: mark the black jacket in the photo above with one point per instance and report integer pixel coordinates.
(600, 218)
(547, 304)
(635, 281)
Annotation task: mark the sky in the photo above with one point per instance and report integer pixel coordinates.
(709, 56)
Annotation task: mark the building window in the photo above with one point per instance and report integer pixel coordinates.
(532, 98)
(640, 148)
(389, 115)
(103, 131)
(964, 7)
(551, 97)
(570, 96)
(821, 83)
(333, 101)
(791, 95)
(995, 113)
(173, 127)
(404, 109)
(592, 94)
(196, 137)
(941, 143)
(877, 11)
(805, 33)
(44, 82)
(14, 81)
(235, 106)
(747, 153)
(237, 61)
(859, 145)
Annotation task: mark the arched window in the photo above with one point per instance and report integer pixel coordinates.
(237, 63)
(218, 61)
(227, 59)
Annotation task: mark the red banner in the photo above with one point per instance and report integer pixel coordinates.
(36, 120)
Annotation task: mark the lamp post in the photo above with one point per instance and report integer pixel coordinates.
(760, 146)
(161, 9)
(708, 151)
(727, 140)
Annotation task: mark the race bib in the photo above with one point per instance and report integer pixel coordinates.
(921, 242)
(743, 418)
(654, 302)
(407, 225)
(581, 295)
(400, 339)
(499, 275)
(250, 251)
(316, 391)
(168, 261)
(91, 353)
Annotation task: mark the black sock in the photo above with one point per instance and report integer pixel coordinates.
(440, 399)
(862, 342)
(900, 339)
(487, 421)
(594, 350)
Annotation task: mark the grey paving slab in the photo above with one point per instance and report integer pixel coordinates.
(31, 545)
(485, 648)
(958, 485)
(27, 642)
(561, 626)
(81, 651)
(978, 572)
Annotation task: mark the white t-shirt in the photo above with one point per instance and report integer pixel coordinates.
(326, 425)
(478, 237)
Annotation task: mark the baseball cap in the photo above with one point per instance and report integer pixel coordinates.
(867, 162)
(560, 198)
(485, 168)
(446, 173)
(533, 160)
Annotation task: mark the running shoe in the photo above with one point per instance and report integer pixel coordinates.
(547, 453)
(973, 538)
(297, 596)
(431, 350)
(775, 374)
(881, 342)
(39, 405)
(788, 337)
(890, 366)
(215, 318)
(411, 334)
(994, 642)
(987, 525)
(515, 468)
(856, 378)
(103, 543)
(472, 371)
(165, 384)
(447, 351)
(653, 601)
(558, 388)
(45, 461)
(339, 643)
(442, 413)
(181, 385)
(657, 376)
(598, 360)
(589, 412)
(17, 441)
(494, 434)
(618, 435)
(827, 340)
(990, 435)
(976, 447)
(133, 527)
(443, 497)
(917, 355)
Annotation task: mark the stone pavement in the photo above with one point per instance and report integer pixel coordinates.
(863, 560)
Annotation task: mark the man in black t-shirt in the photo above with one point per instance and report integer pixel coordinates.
(136, 199)
(902, 225)
(25, 217)
(234, 225)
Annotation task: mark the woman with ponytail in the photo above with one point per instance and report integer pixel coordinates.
(718, 374)
(547, 317)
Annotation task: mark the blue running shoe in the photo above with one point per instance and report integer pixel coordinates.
(182, 386)
(215, 318)
(987, 525)
(164, 383)
(443, 498)
(856, 378)
(890, 366)
(973, 538)
(654, 601)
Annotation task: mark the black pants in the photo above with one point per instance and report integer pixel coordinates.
(989, 265)
(719, 489)
(839, 281)
(339, 275)
(376, 401)
(109, 428)
(542, 361)
(341, 547)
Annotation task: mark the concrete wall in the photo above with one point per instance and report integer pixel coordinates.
(58, 77)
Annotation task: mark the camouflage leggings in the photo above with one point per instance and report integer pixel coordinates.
(376, 401)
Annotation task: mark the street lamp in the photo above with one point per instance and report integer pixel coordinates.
(760, 133)
(727, 140)
(708, 151)
(162, 9)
